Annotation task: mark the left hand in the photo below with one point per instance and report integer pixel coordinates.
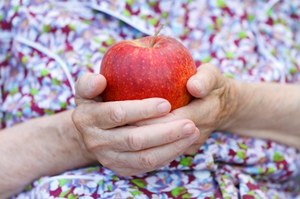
(105, 133)
(214, 103)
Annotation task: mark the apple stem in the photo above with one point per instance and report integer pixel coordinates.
(155, 35)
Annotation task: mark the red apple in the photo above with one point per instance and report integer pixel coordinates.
(153, 66)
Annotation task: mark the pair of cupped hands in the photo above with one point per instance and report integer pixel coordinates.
(138, 136)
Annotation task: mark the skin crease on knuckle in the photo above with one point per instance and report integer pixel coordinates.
(145, 111)
(125, 167)
(227, 102)
(79, 118)
(96, 141)
(220, 106)
(134, 141)
(107, 162)
(114, 160)
(117, 113)
(147, 161)
(91, 143)
(114, 163)
(214, 113)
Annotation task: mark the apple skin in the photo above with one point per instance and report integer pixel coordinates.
(153, 66)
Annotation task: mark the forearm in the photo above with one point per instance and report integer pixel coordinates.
(43, 146)
(268, 110)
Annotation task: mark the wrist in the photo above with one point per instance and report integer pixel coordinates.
(68, 131)
(232, 104)
(252, 101)
(45, 146)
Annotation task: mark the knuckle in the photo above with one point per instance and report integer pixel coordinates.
(148, 160)
(79, 118)
(94, 141)
(108, 163)
(145, 113)
(214, 114)
(117, 114)
(134, 142)
(91, 143)
(211, 112)
(75, 116)
(114, 161)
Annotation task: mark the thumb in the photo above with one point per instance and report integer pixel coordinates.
(207, 79)
(89, 86)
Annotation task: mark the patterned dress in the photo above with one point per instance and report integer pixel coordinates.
(46, 45)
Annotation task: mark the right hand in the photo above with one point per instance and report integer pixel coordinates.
(106, 132)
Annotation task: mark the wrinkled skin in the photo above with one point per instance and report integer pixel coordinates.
(107, 131)
(137, 136)
(214, 104)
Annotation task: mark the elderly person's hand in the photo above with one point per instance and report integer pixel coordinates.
(126, 149)
(263, 110)
(212, 107)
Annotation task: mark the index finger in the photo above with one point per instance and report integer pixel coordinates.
(207, 112)
(144, 137)
(106, 115)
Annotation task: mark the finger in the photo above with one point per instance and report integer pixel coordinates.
(193, 149)
(144, 137)
(153, 158)
(89, 86)
(164, 119)
(207, 111)
(205, 80)
(178, 114)
(112, 114)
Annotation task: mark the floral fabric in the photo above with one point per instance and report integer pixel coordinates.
(46, 45)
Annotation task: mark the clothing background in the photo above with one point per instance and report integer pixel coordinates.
(46, 45)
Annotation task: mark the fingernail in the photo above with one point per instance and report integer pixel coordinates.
(163, 107)
(188, 129)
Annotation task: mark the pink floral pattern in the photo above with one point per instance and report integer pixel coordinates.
(45, 46)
